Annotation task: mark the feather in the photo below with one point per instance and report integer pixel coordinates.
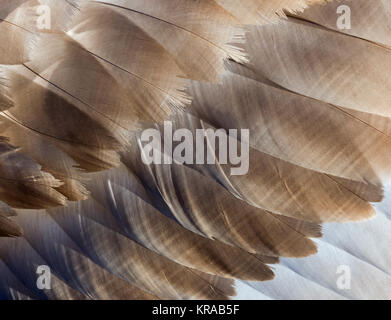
(157, 232)
(23, 184)
(20, 25)
(17, 30)
(263, 11)
(8, 228)
(187, 22)
(125, 258)
(11, 288)
(278, 186)
(74, 100)
(371, 19)
(299, 130)
(322, 64)
(88, 280)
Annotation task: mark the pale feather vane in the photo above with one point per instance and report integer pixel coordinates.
(76, 196)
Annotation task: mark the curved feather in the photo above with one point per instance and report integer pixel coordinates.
(318, 148)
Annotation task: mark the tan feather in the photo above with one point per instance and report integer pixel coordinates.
(159, 233)
(298, 129)
(323, 64)
(74, 98)
(23, 184)
(264, 11)
(371, 19)
(17, 29)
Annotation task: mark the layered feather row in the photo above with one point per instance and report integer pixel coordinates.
(109, 226)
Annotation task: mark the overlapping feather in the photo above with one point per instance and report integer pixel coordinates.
(318, 145)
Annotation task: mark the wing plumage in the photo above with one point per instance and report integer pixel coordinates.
(73, 100)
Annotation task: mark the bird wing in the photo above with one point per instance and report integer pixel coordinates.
(111, 226)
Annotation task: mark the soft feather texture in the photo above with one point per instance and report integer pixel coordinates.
(74, 105)
(362, 247)
(16, 24)
(264, 11)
